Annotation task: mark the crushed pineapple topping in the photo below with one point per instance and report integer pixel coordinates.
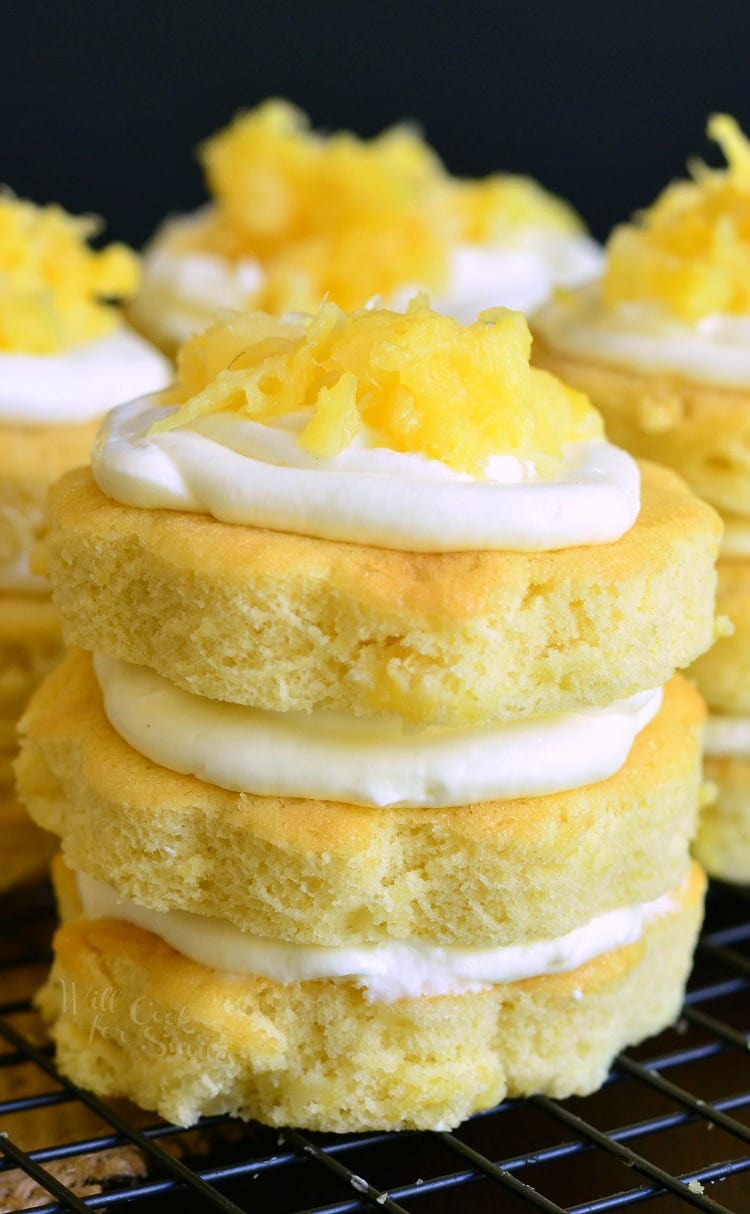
(419, 382)
(347, 219)
(336, 215)
(495, 208)
(53, 288)
(690, 251)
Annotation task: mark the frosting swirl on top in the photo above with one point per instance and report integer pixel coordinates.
(712, 350)
(296, 217)
(242, 472)
(81, 383)
(404, 431)
(674, 296)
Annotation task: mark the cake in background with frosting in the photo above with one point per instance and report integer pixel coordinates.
(662, 346)
(296, 217)
(66, 356)
(373, 778)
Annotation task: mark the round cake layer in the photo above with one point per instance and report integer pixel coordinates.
(25, 850)
(328, 873)
(30, 644)
(698, 429)
(723, 841)
(723, 674)
(185, 1040)
(7, 758)
(289, 622)
(31, 459)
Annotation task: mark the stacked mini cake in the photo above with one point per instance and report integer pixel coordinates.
(374, 783)
(296, 217)
(65, 356)
(662, 348)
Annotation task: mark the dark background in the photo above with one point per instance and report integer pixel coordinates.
(102, 103)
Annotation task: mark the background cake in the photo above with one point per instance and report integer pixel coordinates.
(296, 217)
(661, 345)
(65, 357)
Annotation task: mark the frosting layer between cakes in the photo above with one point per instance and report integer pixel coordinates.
(722, 844)
(727, 737)
(400, 969)
(328, 873)
(187, 1039)
(365, 760)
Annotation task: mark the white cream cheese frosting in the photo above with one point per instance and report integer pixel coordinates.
(79, 384)
(18, 577)
(520, 274)
(400, 969)
(735, 539)
(361, 760)
(727, 737)
(715, 349)
(183, 288)
(245, 472)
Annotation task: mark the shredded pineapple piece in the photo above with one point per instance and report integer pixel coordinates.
(337, 216)
(496, 208)
(53, 288)
(417, 381)
(690, 251)
(346, 219)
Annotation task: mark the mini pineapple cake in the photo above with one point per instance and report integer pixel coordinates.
(661, 347)
(296, 217)
(374, 781)
(65, 357)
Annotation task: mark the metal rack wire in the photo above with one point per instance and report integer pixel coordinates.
(669, 1131)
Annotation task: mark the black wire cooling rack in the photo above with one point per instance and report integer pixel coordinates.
(669, 1131)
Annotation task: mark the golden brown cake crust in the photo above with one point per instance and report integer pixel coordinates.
(491, 873)
(289, 622)
(723, 674)
(698, 429)
(186, 1040)
(723, 842)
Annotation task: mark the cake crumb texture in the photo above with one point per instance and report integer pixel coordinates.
(328, 873)
(698, 429)
(290, 622)
(186, 1040)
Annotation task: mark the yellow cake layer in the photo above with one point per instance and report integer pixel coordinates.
(131, 1017)
(30, 644)
(25, 850)
(486, 874)
(31, 459)
(290, 622)
(723, 674)
(723, 842)
(698, 429)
